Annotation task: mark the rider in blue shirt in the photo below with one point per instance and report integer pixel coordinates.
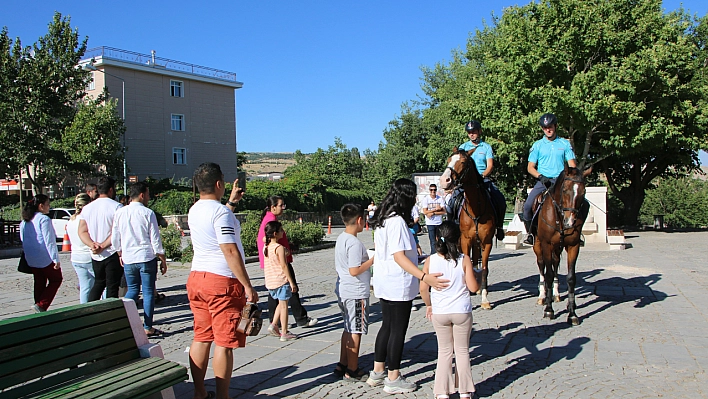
(547, 160)
(483, 158)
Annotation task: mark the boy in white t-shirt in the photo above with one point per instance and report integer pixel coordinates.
(218, 285)
(352, 289)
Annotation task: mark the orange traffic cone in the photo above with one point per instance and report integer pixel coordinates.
(329, 226)
(66, 244)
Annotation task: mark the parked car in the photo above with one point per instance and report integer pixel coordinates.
(60, 217)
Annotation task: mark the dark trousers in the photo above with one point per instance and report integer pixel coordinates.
(537, 189)
(46, 284)
(432, 231)
(299, 312)
(392, 335)
(108, 274)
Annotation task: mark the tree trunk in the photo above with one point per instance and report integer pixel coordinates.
(632, 201)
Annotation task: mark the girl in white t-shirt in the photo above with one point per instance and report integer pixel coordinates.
(450, 311)
(395, 281)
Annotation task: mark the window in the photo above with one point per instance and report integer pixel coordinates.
(177, 122)
(92, 83)
(176, 88)
(179, 156)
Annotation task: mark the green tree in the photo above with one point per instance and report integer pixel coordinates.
(336, 167)
(683, 202)
(626, 81)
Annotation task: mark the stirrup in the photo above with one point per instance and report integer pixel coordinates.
(529, 239)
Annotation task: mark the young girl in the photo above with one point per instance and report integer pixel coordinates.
(278, 279)
(450, 311)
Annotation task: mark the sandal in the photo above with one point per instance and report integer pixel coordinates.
(339, 370)
(154, 333)
(355, 375)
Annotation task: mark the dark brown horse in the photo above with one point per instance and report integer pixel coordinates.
(560, 222)
(477, 226)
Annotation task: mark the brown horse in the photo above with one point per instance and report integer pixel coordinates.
(560, 222)
(477, 224)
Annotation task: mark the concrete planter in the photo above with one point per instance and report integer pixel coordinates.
(512, 240)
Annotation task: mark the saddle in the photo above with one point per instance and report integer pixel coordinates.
(456, 208)
(536, 207)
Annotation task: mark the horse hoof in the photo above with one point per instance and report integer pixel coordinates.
(548, 315)
(486, 306)
(573, 320)
(556, 299)
(540, 301)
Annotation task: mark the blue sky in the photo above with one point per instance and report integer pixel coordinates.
(312, 70)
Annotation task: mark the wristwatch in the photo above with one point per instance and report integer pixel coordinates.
(232, 203)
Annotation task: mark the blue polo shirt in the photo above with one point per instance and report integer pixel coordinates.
(550, 156)
(482, 153)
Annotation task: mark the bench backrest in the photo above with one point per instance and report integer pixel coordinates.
(60, 345)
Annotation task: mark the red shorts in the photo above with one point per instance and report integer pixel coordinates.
(216, 302)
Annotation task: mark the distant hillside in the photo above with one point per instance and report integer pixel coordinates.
(264, 162)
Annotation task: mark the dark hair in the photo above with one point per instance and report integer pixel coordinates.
(270, 202)
(432, 185)
(138, 188)
(399, 200)
(206, 176)
(271, 229)
(105, 184)
(32, 206)
(90, 187)
(351, 212)
(447, 240)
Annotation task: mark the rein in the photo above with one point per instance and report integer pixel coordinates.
(559, 212)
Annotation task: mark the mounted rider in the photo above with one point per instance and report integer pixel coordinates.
(483, 158)
(547, 160)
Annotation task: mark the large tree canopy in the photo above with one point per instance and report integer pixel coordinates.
(41, 90)
(627, 82)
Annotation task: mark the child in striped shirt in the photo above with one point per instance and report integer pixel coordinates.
(278, 280)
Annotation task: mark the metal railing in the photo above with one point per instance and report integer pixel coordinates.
(158, 62)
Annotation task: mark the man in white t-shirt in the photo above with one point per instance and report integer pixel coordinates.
(95, 231)
(433, 207)
(218, 285)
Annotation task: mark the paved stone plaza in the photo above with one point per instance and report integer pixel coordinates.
(643, 332)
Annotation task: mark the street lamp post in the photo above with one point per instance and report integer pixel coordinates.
(91, 67)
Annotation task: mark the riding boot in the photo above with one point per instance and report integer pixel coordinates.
(500, 227)
(529, 235)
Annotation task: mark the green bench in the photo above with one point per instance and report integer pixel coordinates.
(83, 351)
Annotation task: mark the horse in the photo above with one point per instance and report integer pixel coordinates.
(560, 222)
(477, 224)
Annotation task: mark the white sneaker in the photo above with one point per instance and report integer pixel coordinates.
(37, 309)
(310, 322)
(376, 378)
(399, 385)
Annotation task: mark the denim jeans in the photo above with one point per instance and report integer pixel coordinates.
(86, 278)
(432, 232)
(146, 272)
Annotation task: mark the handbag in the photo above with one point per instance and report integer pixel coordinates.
(23, 266)
(251, 322)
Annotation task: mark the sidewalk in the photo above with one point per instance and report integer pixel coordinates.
(643, 332)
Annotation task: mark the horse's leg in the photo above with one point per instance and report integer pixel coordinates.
(475, 257)
(548, 275)
(572, 258)
(487, 249)
(541, 286)
(556, 294)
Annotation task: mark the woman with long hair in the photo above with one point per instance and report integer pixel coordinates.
(396, 281)
(274, 208)
(80, 253)
(39, 242)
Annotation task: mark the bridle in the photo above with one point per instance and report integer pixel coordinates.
(559, 210)
(457, 178)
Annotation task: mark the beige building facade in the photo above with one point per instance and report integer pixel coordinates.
(177, 115)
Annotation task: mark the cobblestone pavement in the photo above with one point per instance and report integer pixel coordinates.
(643, 330)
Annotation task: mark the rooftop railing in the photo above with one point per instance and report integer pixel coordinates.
(158, 62)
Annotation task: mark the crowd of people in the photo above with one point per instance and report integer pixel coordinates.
(112, 241)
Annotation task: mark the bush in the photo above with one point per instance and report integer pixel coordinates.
(249, 233)
(172, 202)
(303, 235)
(172, 242)
(683, 202)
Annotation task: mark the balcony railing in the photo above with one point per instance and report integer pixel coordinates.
(158, 62)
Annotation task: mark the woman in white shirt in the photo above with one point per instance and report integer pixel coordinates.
(80, 253)
(39, 242)
(395, 281)
(451, 312)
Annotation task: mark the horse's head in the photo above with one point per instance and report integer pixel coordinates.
(458, 165)
(571, 184)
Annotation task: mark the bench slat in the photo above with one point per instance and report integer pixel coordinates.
(40, 319)
(69, 375)
(136, 379)
(66, 333)
(57, 359)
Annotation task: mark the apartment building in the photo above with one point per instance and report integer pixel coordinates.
(177, 115)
